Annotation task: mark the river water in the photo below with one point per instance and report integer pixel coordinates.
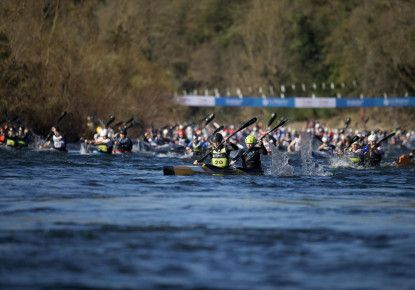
(116, 222)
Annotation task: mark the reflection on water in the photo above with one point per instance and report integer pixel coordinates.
(84, 221)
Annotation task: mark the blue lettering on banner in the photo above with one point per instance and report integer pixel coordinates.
(299, 102)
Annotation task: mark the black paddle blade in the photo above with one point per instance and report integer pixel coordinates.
(118, 124)
(218, 129)
(129, 121)
(128, 126)
(209, 119)
(57, 122)
(272, 119)
(273, 129)
(318, 138)
(347, 123)
(61, 116)
(247, 124)
(14, 119)
(7, 115)
(383, 139)
(111, 119)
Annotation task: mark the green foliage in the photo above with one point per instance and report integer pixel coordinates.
(127, 58)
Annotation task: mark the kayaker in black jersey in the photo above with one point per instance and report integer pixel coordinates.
(220, 152)
(371, 154)
(123, 144)
(251, 158)
(58, 139)
(24, 137)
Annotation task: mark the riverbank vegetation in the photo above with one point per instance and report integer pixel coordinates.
(128, 58)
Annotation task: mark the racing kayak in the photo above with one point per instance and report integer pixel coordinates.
(208, 169)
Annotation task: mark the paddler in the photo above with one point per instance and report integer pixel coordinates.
(252, 159)
(123, 143)
(11, 138)
(325, 146)
(58, 139)
(24, 137)
(220, 153)
(104, 143)
(2, 136)
(371, 154)
(353, 153)
(196, 146)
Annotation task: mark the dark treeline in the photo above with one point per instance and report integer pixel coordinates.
(127, 58)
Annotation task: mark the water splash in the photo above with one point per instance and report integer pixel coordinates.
(279, 163)
(309, 166)
(83, 148)
(341, 161)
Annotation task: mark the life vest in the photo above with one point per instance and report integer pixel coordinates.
(220, 158)
(23, 143)
(107, 147)
(11, 142)
(404, 160)
(197, 148)
(2, 139)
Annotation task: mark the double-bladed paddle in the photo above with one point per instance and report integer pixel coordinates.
(262, 137)
(383, 139)
(245, 125)
(272, 119)
(354, 139)
(208, 119)
(347, 123)
(57, 123)
(125, 123)
(110, 120)
(321, 140)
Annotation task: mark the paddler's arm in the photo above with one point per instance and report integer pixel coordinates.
(238, 155)
(203, 157)
(262, 150)
(45, 146)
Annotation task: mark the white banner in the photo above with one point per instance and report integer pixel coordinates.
(196, 101)
(315, 102)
